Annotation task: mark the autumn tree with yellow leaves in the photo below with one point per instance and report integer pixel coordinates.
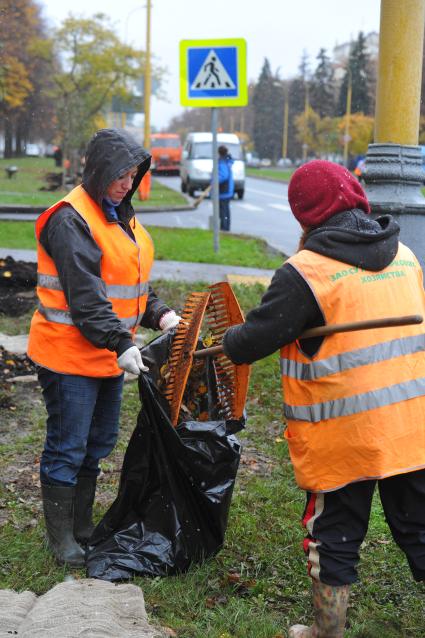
(24, 104)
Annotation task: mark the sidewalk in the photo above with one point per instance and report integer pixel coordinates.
(176, 270)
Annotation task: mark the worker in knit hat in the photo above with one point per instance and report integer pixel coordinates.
(354, 401)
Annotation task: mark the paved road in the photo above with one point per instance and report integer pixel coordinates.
(264, 212)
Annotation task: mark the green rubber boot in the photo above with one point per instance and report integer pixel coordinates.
(58, 506)
(330, 611)
(83, 510)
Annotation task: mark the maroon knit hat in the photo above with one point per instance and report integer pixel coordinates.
(320, 189)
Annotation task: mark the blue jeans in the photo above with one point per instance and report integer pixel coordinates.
(82, 424)
(224, 210)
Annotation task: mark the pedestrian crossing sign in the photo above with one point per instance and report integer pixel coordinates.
(213, 73)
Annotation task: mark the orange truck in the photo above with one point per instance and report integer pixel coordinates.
(166, 151)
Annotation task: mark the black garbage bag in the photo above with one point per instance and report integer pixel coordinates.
(175, 489)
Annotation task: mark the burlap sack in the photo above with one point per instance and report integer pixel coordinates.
(86, 608)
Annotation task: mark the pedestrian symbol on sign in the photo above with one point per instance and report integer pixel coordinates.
(213, 72)
(212, 75)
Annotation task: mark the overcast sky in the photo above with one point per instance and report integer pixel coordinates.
(277, 29)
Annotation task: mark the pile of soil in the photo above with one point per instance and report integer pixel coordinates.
(18, 280)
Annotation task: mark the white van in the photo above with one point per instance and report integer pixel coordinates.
(196, 165)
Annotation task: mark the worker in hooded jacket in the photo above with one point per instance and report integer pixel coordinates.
(354, 402)
(94, 261)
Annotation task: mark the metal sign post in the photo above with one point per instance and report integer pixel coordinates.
(213, 74)
(215, 193)
(147, 78)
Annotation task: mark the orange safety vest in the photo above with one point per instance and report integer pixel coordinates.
(356, 409)
(54, 341)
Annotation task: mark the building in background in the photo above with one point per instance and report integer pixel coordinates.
(341, 52)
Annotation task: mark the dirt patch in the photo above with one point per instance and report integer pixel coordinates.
(255, 462)
(18, 280)
(19, 470)
(17, 403)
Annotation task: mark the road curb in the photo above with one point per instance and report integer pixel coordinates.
(24, 209)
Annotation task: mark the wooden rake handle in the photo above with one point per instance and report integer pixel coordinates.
(202, 196)
(324, 331)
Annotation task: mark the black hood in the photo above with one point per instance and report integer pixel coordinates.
(110, 153)
(354, 238)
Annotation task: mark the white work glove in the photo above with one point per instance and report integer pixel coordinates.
(131, 361)
(169, 320)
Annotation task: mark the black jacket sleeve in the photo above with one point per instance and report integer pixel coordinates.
(155, 308)
(68, 240)
(287, 308)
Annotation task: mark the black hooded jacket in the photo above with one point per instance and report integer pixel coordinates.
(289, 307)
(68, 241)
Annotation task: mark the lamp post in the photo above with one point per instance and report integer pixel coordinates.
(394, 171)
(147, 89)
(285, 124)
(147, 96)
(306, 109)
(285, 117)
(347, 137)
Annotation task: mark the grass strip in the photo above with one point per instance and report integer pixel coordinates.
(173, 244)
(271, 173)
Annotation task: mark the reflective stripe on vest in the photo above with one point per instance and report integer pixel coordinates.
(355, 359)
(64, 317)
(115, 291)
(357, 403)
(356, 409)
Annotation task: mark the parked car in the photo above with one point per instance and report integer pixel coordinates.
(197, 162)
(265, 162)
(252, 160)
(32, 150)
(284, 162)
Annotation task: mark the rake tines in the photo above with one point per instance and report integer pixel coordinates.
(223, 311)
(183, 346)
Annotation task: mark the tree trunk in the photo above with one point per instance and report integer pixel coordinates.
(19, 150)
(8, 138)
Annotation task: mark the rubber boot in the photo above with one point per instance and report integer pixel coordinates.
(58, 506)
(83, 512)
(330, 611)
